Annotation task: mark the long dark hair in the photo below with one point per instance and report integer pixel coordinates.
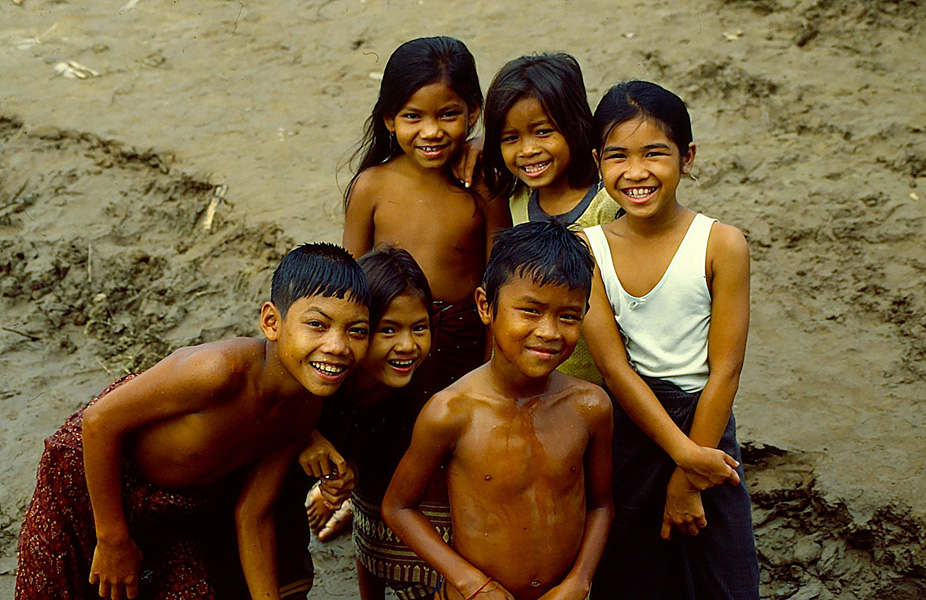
(555, 80)
(412, 66)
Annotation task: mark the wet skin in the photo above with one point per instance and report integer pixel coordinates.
(527, 453)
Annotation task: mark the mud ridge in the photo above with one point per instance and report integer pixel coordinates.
(812, 547)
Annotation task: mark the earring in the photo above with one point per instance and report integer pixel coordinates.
(393, 143)
(695, 179)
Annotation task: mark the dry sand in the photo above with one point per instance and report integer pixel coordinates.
(809, 115)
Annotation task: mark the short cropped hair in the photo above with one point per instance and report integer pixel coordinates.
(392, 272)
(546, 252)
(318, 269)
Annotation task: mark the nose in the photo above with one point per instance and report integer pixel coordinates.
(548, 328)
(430, 128)
(405, 342)
(635, 170)
(337, 343)
(528, 146)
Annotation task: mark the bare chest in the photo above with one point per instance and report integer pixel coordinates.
(522, 453)
(201, 447)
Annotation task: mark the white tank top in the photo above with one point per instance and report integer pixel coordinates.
(665, 331)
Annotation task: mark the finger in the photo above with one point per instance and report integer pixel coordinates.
(116, 592)
(131, 589)
(666, 532)
(731, 461)
(734, 478)
(104, 588)
(339, 463)
(94, 579)
(692, 528)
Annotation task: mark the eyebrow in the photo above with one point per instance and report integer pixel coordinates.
(659, 145)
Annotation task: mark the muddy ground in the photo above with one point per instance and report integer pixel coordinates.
(144, 208)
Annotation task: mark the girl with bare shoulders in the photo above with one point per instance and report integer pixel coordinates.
(405, 194)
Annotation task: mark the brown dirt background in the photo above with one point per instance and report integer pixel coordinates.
(809, 115)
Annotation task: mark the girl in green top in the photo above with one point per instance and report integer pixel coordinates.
(538, 153)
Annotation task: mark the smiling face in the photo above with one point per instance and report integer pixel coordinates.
(319, 340)
(400, 342)
(432, 125)
(534, 328)
(532, 147)
(641, 166)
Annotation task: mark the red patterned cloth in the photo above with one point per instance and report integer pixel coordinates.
(186, 537)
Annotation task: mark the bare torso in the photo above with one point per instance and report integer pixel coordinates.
(442, 226)
(516, 482)
(234, 429)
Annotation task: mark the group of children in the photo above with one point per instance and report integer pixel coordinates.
(448, 380)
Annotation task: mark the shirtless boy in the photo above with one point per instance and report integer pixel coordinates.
(526, 448)
(144, 479)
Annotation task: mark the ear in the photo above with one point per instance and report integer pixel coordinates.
(482, 305)
(270, 321)
(688, 158)
(390, 123)
(595, 158)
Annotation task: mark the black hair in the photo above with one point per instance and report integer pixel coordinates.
(392, 272)
(545, 252)
(555, 80)
(641, 99)
(412, 66)
(318, 269)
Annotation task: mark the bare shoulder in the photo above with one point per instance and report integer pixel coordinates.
(220, 365)
(590, 399)
(369, 185)
(728, 240)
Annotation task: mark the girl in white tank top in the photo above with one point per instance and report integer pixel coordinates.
(667, 325)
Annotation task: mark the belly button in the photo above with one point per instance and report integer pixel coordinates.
(488, 478)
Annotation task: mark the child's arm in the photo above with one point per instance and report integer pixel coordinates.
(436, 430)
(706, 464)
(358, 216)
(599, 506)
(728, 277)
(187, 381)
(255, 525)
(497, 212)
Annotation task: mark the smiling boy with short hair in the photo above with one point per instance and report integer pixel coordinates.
(527, 449)
(144, 479)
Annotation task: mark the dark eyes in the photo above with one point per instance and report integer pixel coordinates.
(359, 332)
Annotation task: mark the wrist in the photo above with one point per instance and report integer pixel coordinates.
(683, 452)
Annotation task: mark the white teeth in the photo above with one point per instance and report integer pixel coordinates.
(402, 363)
(430, 148)
(329, 369)
(535, 168)
(639, 192)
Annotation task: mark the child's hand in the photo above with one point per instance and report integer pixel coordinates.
(490, 590)
(567, 590)
(319, 455)
(470, 155)
(335, 490)
(707, 467)
(115, 569)
(683, 509)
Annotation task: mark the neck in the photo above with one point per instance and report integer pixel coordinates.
(658, 224)
(276, 383)
(365, 389)
(512, 383)
(558, 199)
